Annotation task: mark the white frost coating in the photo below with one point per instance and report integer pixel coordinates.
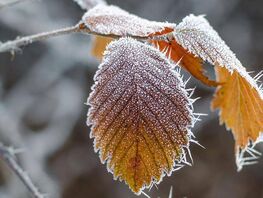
(113, 20)
(196, 35)
(88, 4)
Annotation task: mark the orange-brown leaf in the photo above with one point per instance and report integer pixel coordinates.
(140, 114)
(192, 63)
(241, 107)
(99, 45)
(239, 98)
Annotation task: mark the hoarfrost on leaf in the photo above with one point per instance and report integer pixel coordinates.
(140, 114)
(239, 98)
(195, 34)
(111, 19)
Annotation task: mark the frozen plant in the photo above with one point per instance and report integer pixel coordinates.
(141, 113)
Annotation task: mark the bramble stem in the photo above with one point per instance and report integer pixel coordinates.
(15, 44)
(7, 154)
(11, 46)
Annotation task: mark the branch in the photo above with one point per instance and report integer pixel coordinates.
(15, 44)
(8, 155)
(11, 46)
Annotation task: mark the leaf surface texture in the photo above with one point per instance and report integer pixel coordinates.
(140, 114)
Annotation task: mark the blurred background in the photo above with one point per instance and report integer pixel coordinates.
(44, 87)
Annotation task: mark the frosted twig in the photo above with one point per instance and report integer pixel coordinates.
(8, 155)
(15, 44)
(7, 3)
(12, 46)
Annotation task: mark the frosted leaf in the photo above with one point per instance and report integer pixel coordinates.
(113, 20)
(196, 35)
(140, 114)
(239, 98)
(88, 4)
(241, 109)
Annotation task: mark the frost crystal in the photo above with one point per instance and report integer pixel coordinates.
(88, 4)
(140, 114)
(113, 20)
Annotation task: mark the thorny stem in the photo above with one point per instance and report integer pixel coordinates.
(12, 46)
(15, 44)
(7, 154)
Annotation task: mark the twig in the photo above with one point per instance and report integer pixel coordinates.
(15, 44)
(79, 28)
(7, 3)
(8, 155)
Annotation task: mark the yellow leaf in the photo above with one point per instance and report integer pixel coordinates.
(192, 63)
(241, 107)
(99, 44)
(239, 98)
(140, 114)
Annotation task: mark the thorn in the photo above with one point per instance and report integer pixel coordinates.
(178, 167)
(171, 192)
(201, 114)
(197, 143)
(258, 76)
(190, 155)
(145, 195)
(192, 101)
(185, 82)
(254, 151)
(249, 163)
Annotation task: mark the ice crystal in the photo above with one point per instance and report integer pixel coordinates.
(113, 20)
